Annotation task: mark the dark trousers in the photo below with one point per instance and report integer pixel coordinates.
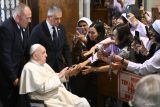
(85, 86)
(9, 96)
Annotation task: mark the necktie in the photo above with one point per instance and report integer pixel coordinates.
(54, 36)
(22, 34)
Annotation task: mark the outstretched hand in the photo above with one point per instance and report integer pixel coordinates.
(117, 66)
(87, 70)
(91, 51)
(63, 72)
(73, 70)
(69, 71)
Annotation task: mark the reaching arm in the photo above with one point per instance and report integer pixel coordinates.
(151, 65)
(89, 69)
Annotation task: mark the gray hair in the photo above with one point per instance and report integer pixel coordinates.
(52, 10)
(19, 9)
(147, 92)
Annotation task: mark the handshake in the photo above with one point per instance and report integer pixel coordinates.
(69, 71)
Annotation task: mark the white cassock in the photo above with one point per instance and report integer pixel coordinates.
(42, 83)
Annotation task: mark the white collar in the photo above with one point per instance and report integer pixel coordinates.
(35, 62)
(20, 27)
(48, 24)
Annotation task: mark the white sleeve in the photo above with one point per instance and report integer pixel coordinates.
(51, 83)
(64, 79)
(149, 66)
(93, 58)
(99, 45)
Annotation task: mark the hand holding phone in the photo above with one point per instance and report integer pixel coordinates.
(79, 30)
(137, 38)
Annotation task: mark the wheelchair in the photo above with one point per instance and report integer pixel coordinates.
(26, 101)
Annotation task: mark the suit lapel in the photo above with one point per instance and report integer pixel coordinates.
(46, 30)
(18, 34)
(47, 34)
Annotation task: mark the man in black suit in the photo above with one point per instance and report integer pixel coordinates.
(13, 53)
(51, 34)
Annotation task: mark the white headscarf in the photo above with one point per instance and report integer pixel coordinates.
(33, 48)
(87, 20)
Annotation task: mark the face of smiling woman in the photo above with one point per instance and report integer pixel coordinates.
(93, 34)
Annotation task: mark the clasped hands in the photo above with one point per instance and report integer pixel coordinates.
(68, 71)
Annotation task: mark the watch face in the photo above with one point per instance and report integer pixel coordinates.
(107, 50)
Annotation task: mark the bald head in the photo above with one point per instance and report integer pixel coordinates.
(22, 15)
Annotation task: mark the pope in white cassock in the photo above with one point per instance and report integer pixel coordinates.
(39, 81)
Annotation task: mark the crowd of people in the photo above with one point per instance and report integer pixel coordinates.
(37, 64)
(130, 43)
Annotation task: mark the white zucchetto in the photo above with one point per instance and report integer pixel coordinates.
(156, 26)
(33, 48)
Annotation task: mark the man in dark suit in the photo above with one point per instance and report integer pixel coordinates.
(51, 34)
(13, 53)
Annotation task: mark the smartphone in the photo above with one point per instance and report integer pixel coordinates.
(79, 29)
(137, 38)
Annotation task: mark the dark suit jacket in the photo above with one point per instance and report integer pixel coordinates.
(58, 56)
(13, 52)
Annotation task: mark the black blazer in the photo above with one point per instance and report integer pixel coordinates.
(13, 51)
(58, 56)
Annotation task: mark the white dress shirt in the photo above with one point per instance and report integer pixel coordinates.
(50, 27)
(21, 31)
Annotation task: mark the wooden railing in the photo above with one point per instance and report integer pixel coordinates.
(120, 86)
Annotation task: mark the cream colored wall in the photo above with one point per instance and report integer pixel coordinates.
(84, 8)
(80, 8)
(151, 3)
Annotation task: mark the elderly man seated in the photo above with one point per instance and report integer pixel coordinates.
(40, 81)
(147, 92)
